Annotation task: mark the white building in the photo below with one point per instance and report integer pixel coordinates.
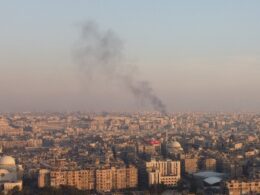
(166, 172)
(10, 174)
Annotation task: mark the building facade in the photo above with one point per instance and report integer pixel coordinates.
(190, 165)
(102, 179)
(237, 187)
(81, 179)
(165, 172)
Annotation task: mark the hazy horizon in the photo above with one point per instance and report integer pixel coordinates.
(196, 56)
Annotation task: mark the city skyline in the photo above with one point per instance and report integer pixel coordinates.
(196, 56)
(148, 153)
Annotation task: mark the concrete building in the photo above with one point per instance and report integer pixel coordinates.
(101, 179)
(237, 187)
(81, 179)
(166, 172)
(190, 165)
(114, 178)
(209, 164)
(104, 180)
(43, 178)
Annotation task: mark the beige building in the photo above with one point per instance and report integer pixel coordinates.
(131, 177)
(237, 187)
(102, 179)
(81, 179)
(6, 129)
(190, 165)
(43, 178)
(210, 164)
(108, 179)
(166, 172)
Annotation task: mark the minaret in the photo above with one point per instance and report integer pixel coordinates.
(164, 144)
(166, 136)
(1, 149)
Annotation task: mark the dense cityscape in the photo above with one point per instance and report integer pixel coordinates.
(130, 153)
(109, 97)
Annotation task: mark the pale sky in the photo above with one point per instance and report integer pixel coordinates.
(198, 55)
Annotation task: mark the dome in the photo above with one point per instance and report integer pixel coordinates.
(175, 144)
(3, 172)
(174, 147)
(7, 160)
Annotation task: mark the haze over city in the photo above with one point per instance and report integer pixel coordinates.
(130, 97)
(196, 56)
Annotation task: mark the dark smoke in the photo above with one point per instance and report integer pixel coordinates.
(102, 53)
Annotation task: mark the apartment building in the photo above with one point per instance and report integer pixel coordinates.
(237, 187)
(166, 172)
(103, 179)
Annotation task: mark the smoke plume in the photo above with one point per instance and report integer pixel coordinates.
(102, 52)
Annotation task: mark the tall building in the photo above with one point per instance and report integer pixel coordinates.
(81, 179)
(43, 178)
(131, 177)
(116, 178)
(102, 179)
(166, 172)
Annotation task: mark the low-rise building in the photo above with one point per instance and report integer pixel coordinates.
(237, 187)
